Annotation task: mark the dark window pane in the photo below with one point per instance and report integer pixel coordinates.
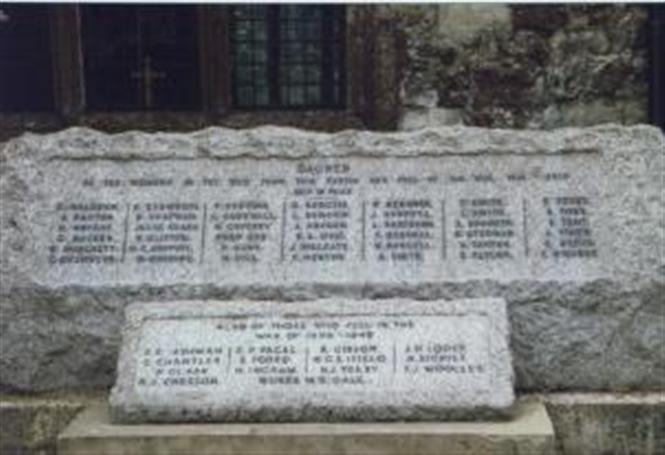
(245, 96)
(249, 32)
(249, 12)
(312, 95)
(312, 52)
(243, 31)
(312, 74)
(262, 96)
(313, 31)
(260, 34)
(26, 82)
(295, 96)
(140, 57)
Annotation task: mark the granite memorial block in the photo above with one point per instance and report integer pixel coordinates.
(328, 360)
(565, 225)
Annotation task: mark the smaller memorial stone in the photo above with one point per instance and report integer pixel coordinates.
(326, 360)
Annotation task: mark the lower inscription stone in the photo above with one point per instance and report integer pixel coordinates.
(324, 361)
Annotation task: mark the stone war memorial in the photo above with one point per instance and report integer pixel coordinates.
(274, 290)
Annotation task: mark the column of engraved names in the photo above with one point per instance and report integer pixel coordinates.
(347, 353)
(568, 232)
(87, 233)
(242, 229)
(484, 229)
(165, 232)
(318, 215)
(439, 358)
(402, 229)
(191, 365)
(268, 355)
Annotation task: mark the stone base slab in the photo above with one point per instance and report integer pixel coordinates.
(30, 425)
(603, 423)
(529, 433)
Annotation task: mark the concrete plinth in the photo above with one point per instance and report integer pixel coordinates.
(530, 432)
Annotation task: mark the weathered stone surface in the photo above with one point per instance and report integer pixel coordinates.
(30, 426)
(583, 274)
(329, 360)
(414, 119)
(599, 424)
(462, 23)
(512, 65)
(529, 433)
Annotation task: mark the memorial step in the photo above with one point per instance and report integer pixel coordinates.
(529, 432)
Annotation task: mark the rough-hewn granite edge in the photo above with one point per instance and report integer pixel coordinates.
(291, 143)
(22, 161)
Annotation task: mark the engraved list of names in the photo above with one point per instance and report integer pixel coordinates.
(332, 219)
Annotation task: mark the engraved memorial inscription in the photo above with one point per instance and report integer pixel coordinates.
(484, 230)
(241, 229)
(86, 233)
(402, 229)
(330, 359)
(343, 350)
(165, 232)
(327, 219)
(569, 232)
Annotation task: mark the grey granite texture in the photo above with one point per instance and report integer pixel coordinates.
(328, 360)
(567, 227)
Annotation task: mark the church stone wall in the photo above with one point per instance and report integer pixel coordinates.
(410, 66)
(523, 66)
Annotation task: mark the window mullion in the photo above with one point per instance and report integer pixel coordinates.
(340, 62)
(327, 40)
(273, 56)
